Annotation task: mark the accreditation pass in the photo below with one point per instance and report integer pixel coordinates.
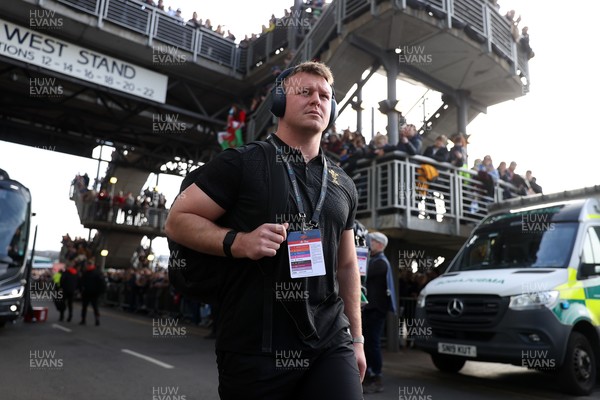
(306, 254)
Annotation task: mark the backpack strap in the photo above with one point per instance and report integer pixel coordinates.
(277, 202)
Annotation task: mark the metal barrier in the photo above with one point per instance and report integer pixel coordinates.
(174, 32)
(90, 6)
(212, 46)
(130, 15)
(501, 35)
(152, 301)
(154, 23)
(395, 182)
(94, 212)
(472, 13)
(350, 8)
(142, 18)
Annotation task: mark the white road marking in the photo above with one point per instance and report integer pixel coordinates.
(150, 359)
(62, 328)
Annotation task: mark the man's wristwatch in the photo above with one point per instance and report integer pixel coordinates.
(228, 241)
(358, 339)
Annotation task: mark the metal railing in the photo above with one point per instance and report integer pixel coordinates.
(95, 212)
(203, 43)
(396, 183)
(475, 15)
(156, 24)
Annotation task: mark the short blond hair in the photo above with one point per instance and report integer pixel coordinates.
(315, 68)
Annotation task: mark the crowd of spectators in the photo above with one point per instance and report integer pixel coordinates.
(142, 288)
(146, 208)
(521, 38)
(144, 291)
(194, 22)
(78, 250)
(350, 147)
(310, 12)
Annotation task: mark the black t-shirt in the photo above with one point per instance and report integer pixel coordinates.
(308, 312)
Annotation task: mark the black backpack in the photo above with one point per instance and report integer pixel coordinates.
(197, 276)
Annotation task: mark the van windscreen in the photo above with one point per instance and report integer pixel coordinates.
(517, 245)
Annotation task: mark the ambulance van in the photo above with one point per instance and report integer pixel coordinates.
(524, 290)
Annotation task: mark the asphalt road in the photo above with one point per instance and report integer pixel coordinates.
(134, 357)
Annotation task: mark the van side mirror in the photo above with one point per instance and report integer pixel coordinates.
(587, 270)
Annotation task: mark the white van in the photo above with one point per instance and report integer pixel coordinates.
(524, 290)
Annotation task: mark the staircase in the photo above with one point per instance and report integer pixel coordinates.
(468, 42)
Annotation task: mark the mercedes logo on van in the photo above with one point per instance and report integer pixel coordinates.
(455, 308)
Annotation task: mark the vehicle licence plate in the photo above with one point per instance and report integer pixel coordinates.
(457, 349)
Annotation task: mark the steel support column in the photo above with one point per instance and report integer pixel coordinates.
(391, 65)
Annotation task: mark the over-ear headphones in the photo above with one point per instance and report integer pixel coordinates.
(278, 98)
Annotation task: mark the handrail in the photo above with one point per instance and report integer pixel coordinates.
(91, 211)
(156, 24)
(473, 15)
(395, 182)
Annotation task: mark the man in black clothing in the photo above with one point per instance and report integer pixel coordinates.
(312, 346)
(382, 298)
(92, 286)
(69, 281)
(438, 150)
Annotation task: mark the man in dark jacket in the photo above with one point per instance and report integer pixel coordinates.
(410, 142)
(382, 298)
(438, 150)
(69, 281)
(92, 286)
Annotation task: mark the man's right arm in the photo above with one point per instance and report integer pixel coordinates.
(191, 223)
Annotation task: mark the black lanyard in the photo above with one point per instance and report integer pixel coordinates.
(314, 221)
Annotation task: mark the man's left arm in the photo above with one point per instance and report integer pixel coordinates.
(349, 283)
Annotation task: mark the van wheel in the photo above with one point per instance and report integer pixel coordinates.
(448, 363)
(578, 371)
